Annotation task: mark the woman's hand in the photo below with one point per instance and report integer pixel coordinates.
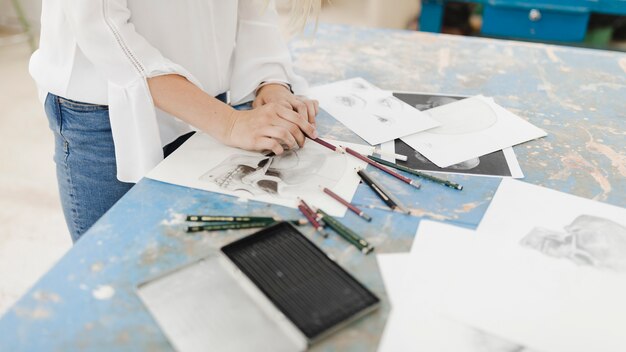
(271, 126)
(279, 94)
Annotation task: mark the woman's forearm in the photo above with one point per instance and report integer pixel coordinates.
(177, 96)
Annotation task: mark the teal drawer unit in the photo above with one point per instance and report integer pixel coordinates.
(536, 20)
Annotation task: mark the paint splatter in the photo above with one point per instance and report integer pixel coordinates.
(37, 313)
(103, 292)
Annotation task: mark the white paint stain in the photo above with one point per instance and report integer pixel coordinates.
(622, 64)
(103, 292)
(552, 55)
(175, 218)
(444, 60)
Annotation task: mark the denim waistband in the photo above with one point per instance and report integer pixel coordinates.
(223, 97)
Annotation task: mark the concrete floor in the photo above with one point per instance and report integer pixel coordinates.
(33, 235)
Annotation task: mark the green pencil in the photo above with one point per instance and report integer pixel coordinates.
(418, 173)
(346, 233)
(229, 226)
(225, 218)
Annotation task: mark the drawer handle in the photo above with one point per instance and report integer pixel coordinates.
(534, 15)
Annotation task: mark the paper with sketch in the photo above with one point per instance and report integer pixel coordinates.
(204, 163)
(416, 322)
(373, 114)
(548, 269)
(470, 128)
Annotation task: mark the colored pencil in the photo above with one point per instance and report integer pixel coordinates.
(229, 226)
(438, 180)
(371, 162)
(310, 215)
(222, 218)
(346, 233)
(350, 206)
(381, 192)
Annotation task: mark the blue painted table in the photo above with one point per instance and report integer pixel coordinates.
(88, 302)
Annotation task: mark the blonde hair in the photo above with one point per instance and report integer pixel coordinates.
(301, 11)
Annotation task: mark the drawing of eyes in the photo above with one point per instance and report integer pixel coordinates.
(390, 103)
(385, 119)
(351, 101)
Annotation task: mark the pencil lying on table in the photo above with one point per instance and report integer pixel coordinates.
(222, 218)
(371, 162)
(350, 206)
(381, 192)
(438, 180)
(310, 215)
(229, 226)
(346, 233)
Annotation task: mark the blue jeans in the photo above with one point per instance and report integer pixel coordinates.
(85, 161)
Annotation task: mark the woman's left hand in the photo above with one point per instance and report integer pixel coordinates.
(279, 94)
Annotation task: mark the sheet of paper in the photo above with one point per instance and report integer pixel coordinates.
(470, 128)
(393, 269)
(502, 163)
(204, 163)
(373, 114)
(416, 322)
(548, 269)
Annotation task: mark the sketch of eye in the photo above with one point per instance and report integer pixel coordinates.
(360, 85)
(351, 101)
(385, 119)
(391, 103)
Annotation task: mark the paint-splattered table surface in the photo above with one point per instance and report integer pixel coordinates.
(88, 301)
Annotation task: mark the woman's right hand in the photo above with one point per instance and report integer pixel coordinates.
(268, 127)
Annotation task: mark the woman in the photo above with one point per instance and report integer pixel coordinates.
(125, 82)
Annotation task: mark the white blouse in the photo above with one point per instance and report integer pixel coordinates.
(103, 51)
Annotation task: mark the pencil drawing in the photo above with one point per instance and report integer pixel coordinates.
(588, 240)
(474, 118)
(351, 101)
(293, 173)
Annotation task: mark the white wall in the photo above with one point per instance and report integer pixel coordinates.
(369, 13)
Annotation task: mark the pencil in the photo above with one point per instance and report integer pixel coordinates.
(222, 218)
(229, 226)
(310, 215)
(438, 180)
(371, 162)
(350, 206)
(381, 192)
(346, 233)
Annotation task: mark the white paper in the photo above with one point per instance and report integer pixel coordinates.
(393, 269)
(470, 128)
(416, 322)
(389, 148)
(204, 163)
(548, 269)
(373, 114)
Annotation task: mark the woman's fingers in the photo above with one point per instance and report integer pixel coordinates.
(282, 135)
(267, 143)
(291, 128)
(296, 119)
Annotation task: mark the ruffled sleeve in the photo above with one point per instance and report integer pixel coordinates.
(261, 53)
(107, 38)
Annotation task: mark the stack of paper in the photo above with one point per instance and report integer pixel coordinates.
(545, 271)
(436, 132)
(372, 113)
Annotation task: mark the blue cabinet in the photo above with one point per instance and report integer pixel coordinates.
(542, 20)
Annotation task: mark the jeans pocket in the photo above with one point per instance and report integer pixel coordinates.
(80, 106)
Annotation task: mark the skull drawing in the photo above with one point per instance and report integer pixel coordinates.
(588, 240)
(284, 176)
